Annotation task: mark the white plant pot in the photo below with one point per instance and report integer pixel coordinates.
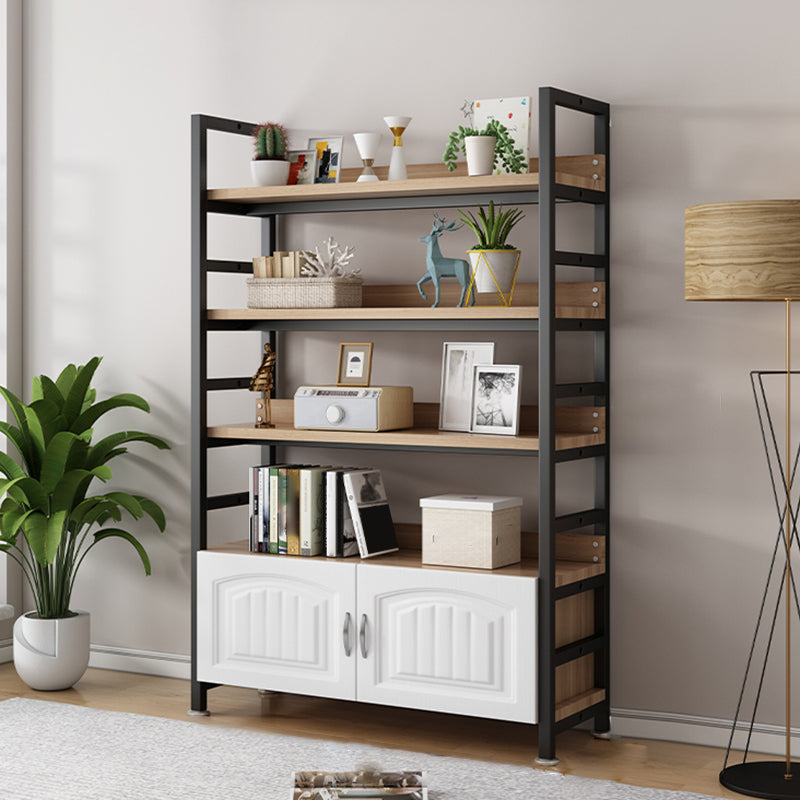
(480, 154)
(51, 654)
(502, 264)
(270, 173)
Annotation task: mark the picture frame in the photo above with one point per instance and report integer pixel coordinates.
(355, 364)
(328, 163)
(455, 399)
(302, 167)
(496, 399)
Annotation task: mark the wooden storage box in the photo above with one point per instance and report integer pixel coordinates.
(478, 531)
(304, 292)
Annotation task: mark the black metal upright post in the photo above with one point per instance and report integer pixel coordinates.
(547, 436)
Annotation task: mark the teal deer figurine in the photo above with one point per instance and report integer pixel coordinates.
(440, 267)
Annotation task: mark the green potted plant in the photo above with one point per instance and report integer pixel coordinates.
(494, 261)
(270, 166)
(50, 517)
(483, 149)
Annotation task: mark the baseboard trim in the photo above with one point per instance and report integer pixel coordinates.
(708, 731)
(147, 662)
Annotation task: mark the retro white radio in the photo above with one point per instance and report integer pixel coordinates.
(372, 408)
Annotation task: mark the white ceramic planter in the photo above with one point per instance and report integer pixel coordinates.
(51, 654)
(269, 173)
(503, 265)
(480, 154)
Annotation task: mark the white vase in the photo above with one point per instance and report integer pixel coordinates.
(480, 154)
(397, 163)
(502, 264)
(270, 173)
(51, 654)
(367, 145)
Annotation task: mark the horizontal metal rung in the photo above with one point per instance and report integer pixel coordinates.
(581, 452)
(567, 259)
(580, 716)
(219, 384)
(577, 587)
(227, 500)
(577, 195)
(570, 652)
(229, 266)
(590, 389)
(581, 519)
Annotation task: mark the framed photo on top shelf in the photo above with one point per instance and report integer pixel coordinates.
(302, 166)
(355, 364)
(458, 361)
(329, 158)
(495, 399)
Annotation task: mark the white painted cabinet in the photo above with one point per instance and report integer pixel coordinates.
(276, 623)
(444, 640)
(441, 640)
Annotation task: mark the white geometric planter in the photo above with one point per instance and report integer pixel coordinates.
(495, 271)
(270, 173)
(51, 654)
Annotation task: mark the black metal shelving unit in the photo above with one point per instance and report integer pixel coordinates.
(592, 521)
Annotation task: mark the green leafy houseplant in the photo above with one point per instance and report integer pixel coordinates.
(271, 142)
(48, 514)
(505, 151)
(492, 228)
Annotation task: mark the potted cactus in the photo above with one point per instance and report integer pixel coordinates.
(484, 148)
(270, 166)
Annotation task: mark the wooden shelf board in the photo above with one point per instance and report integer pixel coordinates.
(409, 437)
(475, 312)
(566, 571)
(424, 180)
(572, 705)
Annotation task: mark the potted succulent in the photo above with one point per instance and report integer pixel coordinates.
(483, 149)
(494, 261)
(270, 166)
(50, 518)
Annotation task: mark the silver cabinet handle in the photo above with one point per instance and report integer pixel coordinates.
(362, 635)
(346, 635)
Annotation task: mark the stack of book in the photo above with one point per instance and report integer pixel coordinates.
(304, 510)
(366, 783)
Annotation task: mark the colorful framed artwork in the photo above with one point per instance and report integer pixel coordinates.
(495, 399)
(301, 169)
(329, 158)
(355, 364)
(515, 114)
(458, 361)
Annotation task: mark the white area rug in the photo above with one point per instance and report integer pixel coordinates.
(55, 751)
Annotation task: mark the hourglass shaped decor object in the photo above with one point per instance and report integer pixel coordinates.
(367, 144)
(397, 166)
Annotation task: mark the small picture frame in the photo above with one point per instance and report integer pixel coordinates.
(302, 167)
(355, 364)
(458, 361)
(328, 165)
(495, 399)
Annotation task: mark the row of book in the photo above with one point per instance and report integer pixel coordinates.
(281, 264)
(309, 510)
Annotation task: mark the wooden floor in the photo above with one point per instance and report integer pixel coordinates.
(662, 765)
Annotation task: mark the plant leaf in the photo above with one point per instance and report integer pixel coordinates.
(128, 502)
(65, 380)
(109, 447)
(35, 530)
(73, 404)
(56, 458)
(91, 415)
(154, 511)
(108, 533)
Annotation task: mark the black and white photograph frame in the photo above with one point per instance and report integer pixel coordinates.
(328, 165)
(355, 364)
(496, 399)
(455, 400)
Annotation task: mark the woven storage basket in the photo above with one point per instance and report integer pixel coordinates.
(304, 292)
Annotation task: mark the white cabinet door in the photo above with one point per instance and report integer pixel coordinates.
(443, 640)
(279, 623)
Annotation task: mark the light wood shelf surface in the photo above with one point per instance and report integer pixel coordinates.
(566, 571)
(583, 172)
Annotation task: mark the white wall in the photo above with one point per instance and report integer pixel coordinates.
(705, 108)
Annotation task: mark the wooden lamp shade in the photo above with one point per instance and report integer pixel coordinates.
(743, 250)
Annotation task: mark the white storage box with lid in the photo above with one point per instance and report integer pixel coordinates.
(478, 531)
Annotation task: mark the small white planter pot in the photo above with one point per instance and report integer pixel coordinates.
(270, 173)
(51, 654)
(495, 271)
(480, 154)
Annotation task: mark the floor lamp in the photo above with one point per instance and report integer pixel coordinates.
(751, 251)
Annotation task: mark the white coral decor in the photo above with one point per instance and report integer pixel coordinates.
(330, 265)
